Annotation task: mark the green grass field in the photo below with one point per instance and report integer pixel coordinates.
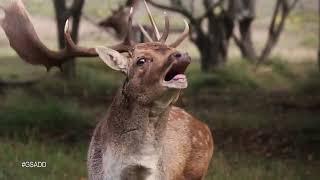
(52, 120)
(68, 162)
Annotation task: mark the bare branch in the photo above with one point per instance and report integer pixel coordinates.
(93, 22)
(161, 6)
(294, 3)
(132, 3)
(274, 17)
(288, 6)
(183, 11)
(237, 40)
(209, 8)
(77, 6)
(275, 29)
(192, 6)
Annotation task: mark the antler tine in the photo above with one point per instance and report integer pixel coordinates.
(145, 33)
(128, 37)
(165, 33)
(72, 50)
(155, 28)
(182, 36)
(67, 37)
(75, 50)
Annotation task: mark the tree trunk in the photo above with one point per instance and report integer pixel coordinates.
(319, 36)
(280, 12)
(213, 46)
(211, 56)
(247, 48)
(243, 12)
(213, 52)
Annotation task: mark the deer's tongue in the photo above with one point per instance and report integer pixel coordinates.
(179, 77)
(177, 82)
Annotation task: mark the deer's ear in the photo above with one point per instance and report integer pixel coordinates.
(113, 59)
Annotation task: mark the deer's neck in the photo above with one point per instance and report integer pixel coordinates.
(134, 138)
(132, 124)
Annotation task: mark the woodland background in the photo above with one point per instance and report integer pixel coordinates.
(264, 114)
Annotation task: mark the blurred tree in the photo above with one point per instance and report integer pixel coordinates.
(319, 35)
(210, 31)
(118, 21)
(280, 14)
(119, 17)
(212, 38)
(63, 12)
(243, 12)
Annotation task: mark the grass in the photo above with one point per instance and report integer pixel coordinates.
(68, 162)
(310, 85)
(52, 120)
(227, 87)
(9, 70)
(310, 41)
(245, 166)
(62, 161)
(281, 67)
(241, 75)
(48, 116)
(236, 75)
(94, 79)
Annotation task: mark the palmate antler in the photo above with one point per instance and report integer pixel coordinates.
(25, 41)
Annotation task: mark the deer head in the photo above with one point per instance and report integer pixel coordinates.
(151, 68)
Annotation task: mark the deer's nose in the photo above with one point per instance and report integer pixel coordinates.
(177, 55)
(181, 56)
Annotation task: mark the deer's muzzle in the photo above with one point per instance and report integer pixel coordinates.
(174, 76)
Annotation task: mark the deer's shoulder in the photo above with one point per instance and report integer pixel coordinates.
(178, 117)
(188, 140)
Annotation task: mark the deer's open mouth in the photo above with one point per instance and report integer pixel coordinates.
(174, 76)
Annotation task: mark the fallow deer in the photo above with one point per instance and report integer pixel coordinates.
(142, 136)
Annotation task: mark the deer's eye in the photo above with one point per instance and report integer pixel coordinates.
(141, 61)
